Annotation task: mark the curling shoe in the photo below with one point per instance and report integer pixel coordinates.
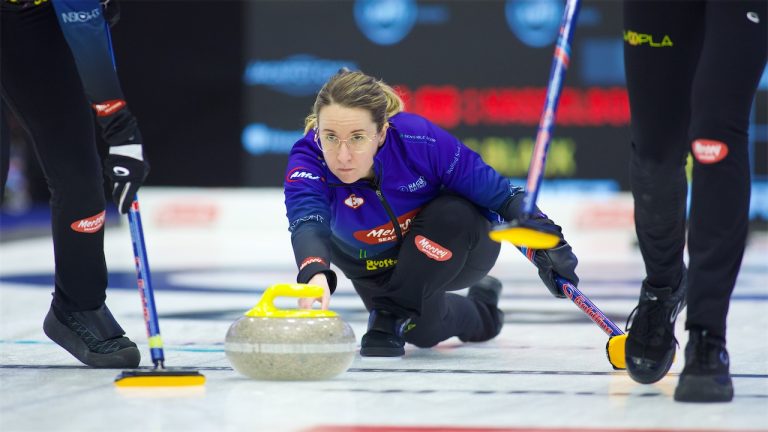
(706, 376)
(651, 343)
(93, 337)
(385, 335)
(487, 292)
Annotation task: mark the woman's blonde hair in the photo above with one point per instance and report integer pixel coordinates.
(357, 90)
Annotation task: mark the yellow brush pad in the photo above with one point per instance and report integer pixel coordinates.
(526, 237)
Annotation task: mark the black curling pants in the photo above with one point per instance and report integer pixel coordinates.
(447, 249)
(692, 72)
(42, 88)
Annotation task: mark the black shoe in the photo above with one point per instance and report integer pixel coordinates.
(487, 291)
(651, 341)
(93, 337)
(705, 377)
(385, 335)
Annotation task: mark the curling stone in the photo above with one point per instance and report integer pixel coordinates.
(294, 344)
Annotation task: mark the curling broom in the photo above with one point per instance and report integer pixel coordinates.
(617, 339)
(520, 231)
(159, 376)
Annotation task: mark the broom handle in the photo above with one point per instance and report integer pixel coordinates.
(145, 285)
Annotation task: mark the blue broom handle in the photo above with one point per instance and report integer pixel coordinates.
(546, 124)
(585, 304)
(580, 300)
(145, 284)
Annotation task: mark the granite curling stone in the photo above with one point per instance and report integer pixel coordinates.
(294, 344)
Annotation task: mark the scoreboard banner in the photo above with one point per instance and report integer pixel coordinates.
(477, 68)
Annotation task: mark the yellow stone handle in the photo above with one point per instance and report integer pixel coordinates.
(266, 306)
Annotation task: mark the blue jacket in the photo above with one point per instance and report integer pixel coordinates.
(368, 219)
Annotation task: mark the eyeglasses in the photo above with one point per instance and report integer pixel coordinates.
(330, 143)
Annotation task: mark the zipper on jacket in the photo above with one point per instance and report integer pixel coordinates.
(390, 213)
(375, 184)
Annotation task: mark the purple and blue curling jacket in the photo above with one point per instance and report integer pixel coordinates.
(360, 226)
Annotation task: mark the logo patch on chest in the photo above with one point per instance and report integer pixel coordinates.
(386, 232)
(353, 201)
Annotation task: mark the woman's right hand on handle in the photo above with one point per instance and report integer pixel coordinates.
(320, 280)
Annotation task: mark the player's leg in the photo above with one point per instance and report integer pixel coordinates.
(447, 248)
(732, 60)
(41, 85)
(662, 41)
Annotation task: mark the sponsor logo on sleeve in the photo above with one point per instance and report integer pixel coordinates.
(301, 173)
(456, 157)
(709, 151)
(299, 221)
(432, 249)
(386, 232)
(309, 260)
(353, 201)
(89, 225)
(79, 16)
(417, 138)
(108, 108)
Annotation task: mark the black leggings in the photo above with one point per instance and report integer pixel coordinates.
(42, 88)
(418, 285)
(692, 73)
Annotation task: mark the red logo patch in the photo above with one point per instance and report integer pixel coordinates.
(709, 151)
(108, 107)
(309, 260)
(386, 233)
(89, 225)
(354, 201)
(432, 249)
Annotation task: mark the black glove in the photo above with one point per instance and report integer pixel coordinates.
(127, 173)
(560, 260)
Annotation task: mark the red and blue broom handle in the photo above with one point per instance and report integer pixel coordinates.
(582, 301)
(546, 124)
(585, 304)
(145, 285)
